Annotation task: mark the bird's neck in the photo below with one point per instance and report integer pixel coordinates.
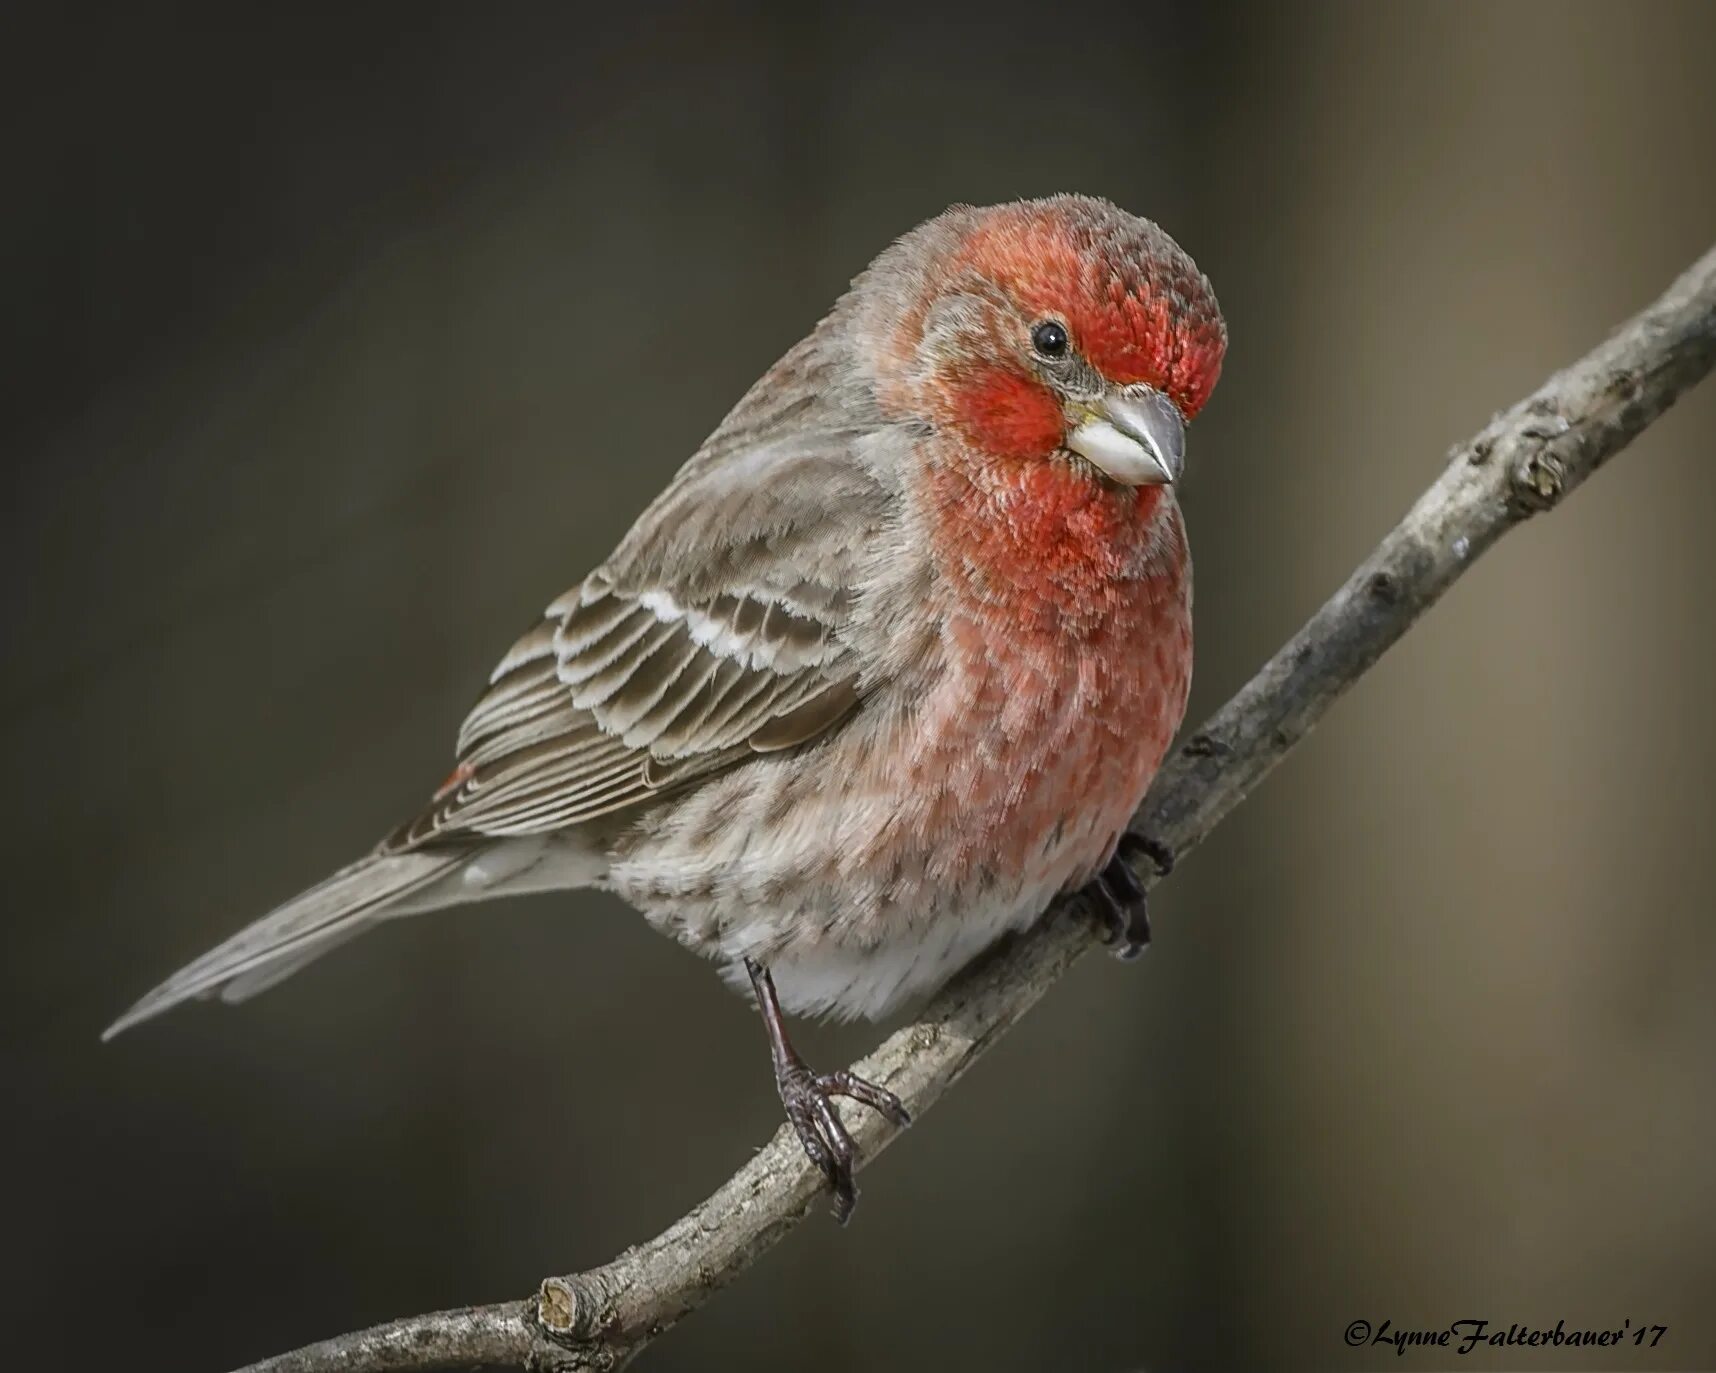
(1050, 543)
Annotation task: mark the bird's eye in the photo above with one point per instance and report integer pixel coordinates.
(1050, 339)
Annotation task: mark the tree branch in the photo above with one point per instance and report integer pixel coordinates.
(1526, 460)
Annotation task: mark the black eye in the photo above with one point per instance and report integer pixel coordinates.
(1050, 339)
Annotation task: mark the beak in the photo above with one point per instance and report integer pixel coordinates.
(1135, 436)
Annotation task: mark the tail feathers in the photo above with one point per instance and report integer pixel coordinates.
(260, 978)
(303, 929)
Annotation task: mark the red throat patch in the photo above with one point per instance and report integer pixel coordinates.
(1056, 548)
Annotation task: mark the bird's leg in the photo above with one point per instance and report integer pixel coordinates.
(1122, 905)
(807, 1097)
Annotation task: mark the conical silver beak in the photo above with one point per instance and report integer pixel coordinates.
(1135, 436)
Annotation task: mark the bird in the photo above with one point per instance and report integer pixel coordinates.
(886, 667)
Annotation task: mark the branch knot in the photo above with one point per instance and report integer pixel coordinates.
(1539, 480)
(566, 1309)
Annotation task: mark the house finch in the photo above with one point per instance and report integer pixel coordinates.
(889, 664)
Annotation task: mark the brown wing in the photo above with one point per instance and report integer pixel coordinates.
(715, 632)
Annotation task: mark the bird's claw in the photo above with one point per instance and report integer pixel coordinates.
(1155, 850)
(1122, 906)
(808, 1099)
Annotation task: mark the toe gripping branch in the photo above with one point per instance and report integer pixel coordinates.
(1122, 905)
(808, 1099)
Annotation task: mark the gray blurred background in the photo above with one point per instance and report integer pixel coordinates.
(340, 346)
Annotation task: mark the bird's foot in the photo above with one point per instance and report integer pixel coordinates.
(809, 1101)
(1121, 904)
(1159, 854)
